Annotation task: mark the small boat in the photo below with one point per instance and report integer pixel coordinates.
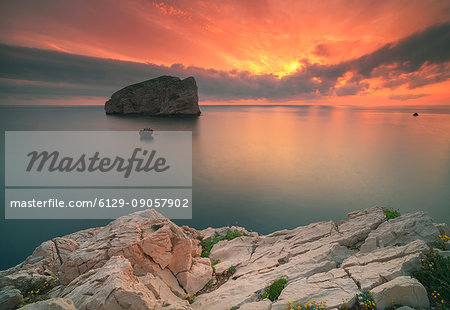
(146, 132)
(416, 114)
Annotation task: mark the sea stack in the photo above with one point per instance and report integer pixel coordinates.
(162, 96)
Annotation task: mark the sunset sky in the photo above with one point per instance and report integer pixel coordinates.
(240, 51)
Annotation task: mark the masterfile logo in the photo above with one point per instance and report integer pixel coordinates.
(54, 162)
(97, 174)
(98, 158)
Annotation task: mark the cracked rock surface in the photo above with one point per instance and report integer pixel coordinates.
(144, 261)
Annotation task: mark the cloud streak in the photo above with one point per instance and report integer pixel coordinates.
(406, 97)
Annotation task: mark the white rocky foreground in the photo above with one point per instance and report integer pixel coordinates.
(144, 261)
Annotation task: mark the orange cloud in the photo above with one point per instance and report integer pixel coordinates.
(263, 37)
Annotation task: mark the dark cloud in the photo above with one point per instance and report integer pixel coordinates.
(351, 89)
(415, 61)
(430, 46)
(322, 50)
(408, 56)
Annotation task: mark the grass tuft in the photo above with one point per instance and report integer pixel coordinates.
(273, 291)
(391, 214)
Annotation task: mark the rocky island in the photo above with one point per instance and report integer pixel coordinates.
(162, 96)
(145, 261)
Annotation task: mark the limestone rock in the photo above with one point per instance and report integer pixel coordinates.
(64, 247)
(443, 228)
(372, 274)
(165, 95)
(295, 254)
(260, 305)
(159, 288)
(39, 267)
(149, 241)
(83, 235)
(233, 252)
(360, 224)
(403, 291)
(25, 279)
(371, 269)
(402, 230)
(386, 254)
(196, 278)
(113, 286)
(246, 284)
(222, 267)
(10, 298)
(51, 304)
(332, 287)
(145, 261)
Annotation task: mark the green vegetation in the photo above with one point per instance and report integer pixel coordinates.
(435, 277)
(231, 270)
(391, 214)
(314, 305)
(40, 293)
(214, 263)
(442, 242)
(220, 279)
(231, 234)
(190, 298)
(274, 290)
(208, 244)
(365, 301)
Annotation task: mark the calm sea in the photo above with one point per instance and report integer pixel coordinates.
(272, 167)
